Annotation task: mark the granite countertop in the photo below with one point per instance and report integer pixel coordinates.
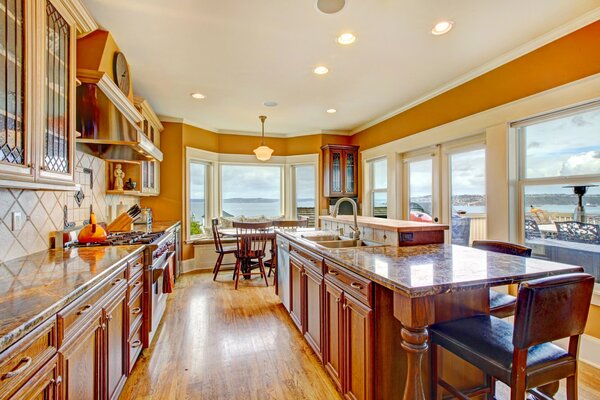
(387, 224)
(36, 287)
(417, 271)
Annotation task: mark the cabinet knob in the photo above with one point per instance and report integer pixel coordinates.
(56, 381)
(117, 281)
(136, 343)
(109, 317)
(136, 310)
(344, 306)
(103, 326)
(337, 300)
(332, 272)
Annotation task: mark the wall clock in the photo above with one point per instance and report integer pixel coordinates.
(121, 72)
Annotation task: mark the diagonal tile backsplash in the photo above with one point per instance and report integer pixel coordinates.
(42, 211)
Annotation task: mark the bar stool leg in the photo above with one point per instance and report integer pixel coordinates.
(572, 388)
(435, 394)
(238, 271)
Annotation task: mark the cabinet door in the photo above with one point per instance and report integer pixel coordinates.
(313, 292)
(358, 349)
(15, 59)
(350, 171)
(336, 173)
(116, 334)
(57, 144)
(81, 360)
(333, 332)
(296, 278)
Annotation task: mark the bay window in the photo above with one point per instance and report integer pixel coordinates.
(379, 196)
(198, 199)
(305, 201)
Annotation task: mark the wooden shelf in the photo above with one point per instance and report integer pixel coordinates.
(127, 193)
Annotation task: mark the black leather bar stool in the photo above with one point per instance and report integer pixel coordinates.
(522, 356)
(502, 305)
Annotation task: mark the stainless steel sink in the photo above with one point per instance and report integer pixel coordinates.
(345, 243)
(322, 238)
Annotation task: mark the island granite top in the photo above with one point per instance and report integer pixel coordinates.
(35, 287)
(385, 224)
(424, 270)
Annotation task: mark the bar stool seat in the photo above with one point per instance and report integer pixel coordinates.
(502, 305)
(486, 342)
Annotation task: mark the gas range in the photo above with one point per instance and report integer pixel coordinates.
(125, 238)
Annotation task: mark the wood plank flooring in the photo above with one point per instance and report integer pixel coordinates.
(218, 343)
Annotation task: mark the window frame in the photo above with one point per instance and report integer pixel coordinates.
(208, 181)
(372, 188)
(293, 203)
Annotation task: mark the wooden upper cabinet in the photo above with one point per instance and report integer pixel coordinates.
(37, 91)
(340, 170)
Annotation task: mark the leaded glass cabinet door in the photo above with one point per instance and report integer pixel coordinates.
(57, 144)
(350, 172)
(15, 147)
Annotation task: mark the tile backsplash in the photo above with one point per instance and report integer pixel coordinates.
(42, 210)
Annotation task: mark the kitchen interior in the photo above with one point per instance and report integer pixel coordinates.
(208, 200)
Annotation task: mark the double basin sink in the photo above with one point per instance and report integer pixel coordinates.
(340, 242)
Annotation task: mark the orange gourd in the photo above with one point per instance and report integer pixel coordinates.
(92, 233)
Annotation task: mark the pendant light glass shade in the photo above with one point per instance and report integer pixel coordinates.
(263, 153)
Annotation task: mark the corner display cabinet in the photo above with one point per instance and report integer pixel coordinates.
(37, 89)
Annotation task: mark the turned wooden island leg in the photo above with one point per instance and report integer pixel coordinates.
(415, 314)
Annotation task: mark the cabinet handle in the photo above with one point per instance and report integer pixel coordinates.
(26, 361)
(136, 310)
(117, 281)
(109, 317)
(84, 309)
(138, 283)
(136, 343)
(56, 381)
(103, 326)
(332, 272)
(356, 286)
(337, 300)
(42, 167)
(344, 306)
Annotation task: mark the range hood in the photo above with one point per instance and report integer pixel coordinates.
(108, 121)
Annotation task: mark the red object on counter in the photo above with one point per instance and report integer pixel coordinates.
(419, 216)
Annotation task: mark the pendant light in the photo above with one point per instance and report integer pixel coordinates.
(263, 153)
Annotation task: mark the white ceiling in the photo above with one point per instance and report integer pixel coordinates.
(240, 53)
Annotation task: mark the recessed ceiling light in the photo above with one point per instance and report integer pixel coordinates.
(442, 27)
(321, 70)
(198, 96)
(330, 6)
(332, 111)
(270, 103)
(346, 38)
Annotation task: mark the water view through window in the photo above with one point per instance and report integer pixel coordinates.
(305, 192)
(251, 191)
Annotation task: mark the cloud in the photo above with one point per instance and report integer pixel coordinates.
(587, 163)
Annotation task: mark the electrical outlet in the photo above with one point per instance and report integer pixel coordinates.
(17, 221)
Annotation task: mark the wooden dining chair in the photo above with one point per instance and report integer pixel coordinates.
(220, 249)
(522, 356)
(252, 240)
(502, 305)
(286, 225)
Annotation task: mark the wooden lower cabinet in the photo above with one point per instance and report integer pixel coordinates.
(358, 349)
(333, 330)
(312, 290)
(44, 385)
(116, 344)
(296, 298)
(81, 361)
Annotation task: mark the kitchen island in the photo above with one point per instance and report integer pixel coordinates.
(365, 310)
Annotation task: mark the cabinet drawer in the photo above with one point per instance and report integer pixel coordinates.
(135, 282)
(135, 347)
(136, 266)
(77, 313)
(43, 385)
(307, 258)
(135, 311)
(358, 286)
(19, 362)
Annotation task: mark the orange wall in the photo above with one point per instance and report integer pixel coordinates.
(567, 59)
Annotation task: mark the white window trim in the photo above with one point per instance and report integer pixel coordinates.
(213, 186)
(369, 181)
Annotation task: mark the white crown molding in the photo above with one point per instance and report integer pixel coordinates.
(112, 91)
(83, 19)
(557, 33)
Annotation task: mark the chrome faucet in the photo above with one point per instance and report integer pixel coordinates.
(336, 208)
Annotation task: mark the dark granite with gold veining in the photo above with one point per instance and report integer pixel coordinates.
(36, 287)
(436, 268)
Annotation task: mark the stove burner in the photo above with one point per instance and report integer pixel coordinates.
(125, 238)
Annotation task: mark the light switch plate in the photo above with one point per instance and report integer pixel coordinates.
(17, 221)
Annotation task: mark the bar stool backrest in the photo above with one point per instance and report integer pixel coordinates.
(552, 308)
(291, 224)
(502, 247)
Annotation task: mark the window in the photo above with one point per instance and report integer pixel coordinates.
(306, 199)
(251, 191)
(198, 204)
(420, 189)
(379, 199)
(559, 170)
(467, 196)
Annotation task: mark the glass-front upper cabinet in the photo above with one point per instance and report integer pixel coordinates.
(340, 170)
(151, 127)
(37, 91)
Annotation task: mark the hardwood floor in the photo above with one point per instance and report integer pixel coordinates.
(218, 343)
